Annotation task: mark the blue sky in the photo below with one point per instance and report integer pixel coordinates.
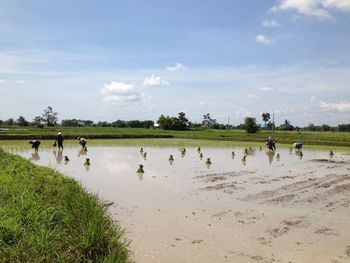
(109, 60)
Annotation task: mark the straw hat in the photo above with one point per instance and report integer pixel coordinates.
(59, 133)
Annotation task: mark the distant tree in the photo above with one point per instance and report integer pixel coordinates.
(88, 123)
(70, 123)
(311, 127)
(49, 117)
(240, 126)
(344, 127)
(250, 125)
(194, 125)
(147, 124)
(9, 122)
(269, 125)
(132, 124)
(165, 122)
(1, 122)
(325, 127)
(208, 122)
(286, 126)
(135, 124)
(119, 124)
(182, 122)
(38, 121)
(103, 124)
(173, 123)
(21, 121)
(266, 117)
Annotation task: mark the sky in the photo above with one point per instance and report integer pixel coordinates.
(134, 59)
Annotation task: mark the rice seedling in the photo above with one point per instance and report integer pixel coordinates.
(87, 162)
(140, 169)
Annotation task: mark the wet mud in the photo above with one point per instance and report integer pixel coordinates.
(291, 209)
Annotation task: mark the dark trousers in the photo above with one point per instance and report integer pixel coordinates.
(60, 145)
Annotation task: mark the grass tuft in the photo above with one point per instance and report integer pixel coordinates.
(46, 217)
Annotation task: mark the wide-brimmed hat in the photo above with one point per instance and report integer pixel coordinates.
(59, 133)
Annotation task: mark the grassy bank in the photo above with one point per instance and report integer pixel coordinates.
(282, 137)
(46, 217)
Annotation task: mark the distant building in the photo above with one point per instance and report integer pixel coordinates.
(264, 126)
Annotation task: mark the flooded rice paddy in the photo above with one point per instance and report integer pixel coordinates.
(268, 209)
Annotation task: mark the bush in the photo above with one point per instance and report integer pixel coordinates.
(250, 125)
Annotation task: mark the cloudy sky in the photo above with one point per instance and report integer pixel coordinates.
(136, 59)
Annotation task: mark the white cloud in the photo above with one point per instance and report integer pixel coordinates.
(155, 81)
(316, 8)
(20, 81)
(252, 96)
(266, 89)
(120, 93)
(341, 106)
(201, 103)
(263, 40)
(178, 66)
(242, 112)
(2, 81)
(271, 23)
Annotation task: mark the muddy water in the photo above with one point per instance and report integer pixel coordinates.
(291, 209)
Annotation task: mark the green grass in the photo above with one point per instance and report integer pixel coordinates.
(281, 137)
(47, 217)
(20, 145)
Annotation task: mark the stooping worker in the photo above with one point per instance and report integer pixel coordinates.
(59, 140)
(35, 144)
(271, 145)
(298, 145)
(82, 142)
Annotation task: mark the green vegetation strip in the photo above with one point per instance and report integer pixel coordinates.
(15, 146)
(281, 137)
(47, 217)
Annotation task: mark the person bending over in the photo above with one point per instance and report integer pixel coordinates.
(271, 145)
(82, 142)
(35, 144)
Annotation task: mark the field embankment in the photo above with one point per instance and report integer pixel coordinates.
(281, 137)
(47, 217)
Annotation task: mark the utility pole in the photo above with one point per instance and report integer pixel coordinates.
(273, 123)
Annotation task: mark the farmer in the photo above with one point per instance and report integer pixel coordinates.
(59, 140)
(35, 144)
(298, 145)
(82, 142)
(271, 145)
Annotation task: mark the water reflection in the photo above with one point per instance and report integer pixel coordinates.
(58, 155)
(299, 153)
(117, 162)
(66, 160)
(270, 154)
(35, 156)
(140, 175)
(82, 151)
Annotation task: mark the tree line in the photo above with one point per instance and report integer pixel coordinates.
(49, 118)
